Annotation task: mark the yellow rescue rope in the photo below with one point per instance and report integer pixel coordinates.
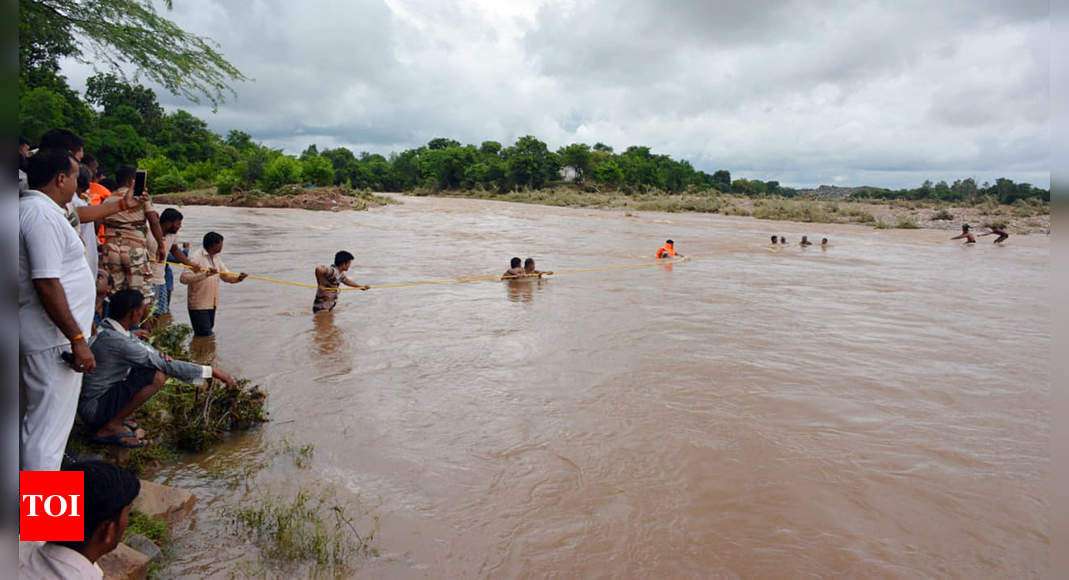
(450, 281)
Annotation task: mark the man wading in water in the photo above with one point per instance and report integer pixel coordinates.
(329, 279)
(997, 231)
(966, 234)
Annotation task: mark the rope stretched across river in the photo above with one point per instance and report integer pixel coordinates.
(449, 281)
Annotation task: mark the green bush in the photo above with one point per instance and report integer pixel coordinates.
(156, 167)
(281, 171)
(203, 171)
(318, 170)
(942, 215)
(225, 181)
(169, 182)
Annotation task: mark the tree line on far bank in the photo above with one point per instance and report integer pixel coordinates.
(124, 123)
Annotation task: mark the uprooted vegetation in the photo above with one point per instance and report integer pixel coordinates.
(183, 417)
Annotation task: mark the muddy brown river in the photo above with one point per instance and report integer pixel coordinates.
(879, 409)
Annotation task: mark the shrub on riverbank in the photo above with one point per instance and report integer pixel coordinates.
(798, 211)
(183, 417)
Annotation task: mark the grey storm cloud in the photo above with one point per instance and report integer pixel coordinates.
(807, 92)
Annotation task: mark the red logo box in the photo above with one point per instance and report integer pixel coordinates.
(51, 506)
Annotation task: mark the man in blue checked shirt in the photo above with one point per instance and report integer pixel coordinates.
(129, 372)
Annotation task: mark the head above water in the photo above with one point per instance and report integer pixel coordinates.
(964, 228)
(515, 263)
(529, 264)
(774, 238)
(782, 240)
(670, 242)
(823, 241)
(213, 242)
(342, 259)
(805, 238)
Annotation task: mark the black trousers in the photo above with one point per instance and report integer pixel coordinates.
(203, 321)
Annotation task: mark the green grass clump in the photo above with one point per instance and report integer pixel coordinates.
(942, 215)
(906, 223)
(307, 530)
(156, 530)
(301, 454)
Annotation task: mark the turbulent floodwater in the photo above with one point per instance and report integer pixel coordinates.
(878, 409)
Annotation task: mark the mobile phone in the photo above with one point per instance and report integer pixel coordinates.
(67, 357)
(139, 182)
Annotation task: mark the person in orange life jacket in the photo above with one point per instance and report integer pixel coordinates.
(668, 250)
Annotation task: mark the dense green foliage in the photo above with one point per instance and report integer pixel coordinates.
(1004, 190)
(123, 123)
(113, 33)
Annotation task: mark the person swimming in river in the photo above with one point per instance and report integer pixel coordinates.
(774, 240)
(668, 250)
(966, 235)
(329, 279)
(529, 269)
(805, 242)
(823, 243)
(782, 241)
(515, 270)
(997, 231)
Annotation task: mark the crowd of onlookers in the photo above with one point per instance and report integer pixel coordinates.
(93, 281)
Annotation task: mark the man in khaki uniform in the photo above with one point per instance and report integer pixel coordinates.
(126, 253)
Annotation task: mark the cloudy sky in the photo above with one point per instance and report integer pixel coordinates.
(880, 92)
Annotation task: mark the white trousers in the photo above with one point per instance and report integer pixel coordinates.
(48, 400)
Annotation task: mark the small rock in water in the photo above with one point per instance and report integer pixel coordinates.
(124, 563)
(145, 546)
(163, 502)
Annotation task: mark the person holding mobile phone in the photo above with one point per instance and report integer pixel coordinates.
(126, 251)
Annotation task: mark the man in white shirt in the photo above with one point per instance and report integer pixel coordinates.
(109, 492)
(56, 297)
